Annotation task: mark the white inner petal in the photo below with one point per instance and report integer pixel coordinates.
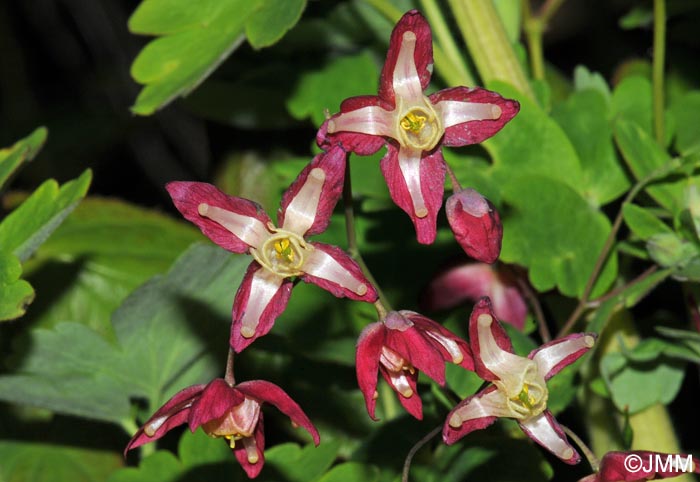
(301, 212)
(366, 120)
(323, 265)
(542, 431)
(405, 80)
(455, 112)
(409, 163)
(549, 357)
(490, 405)
(251, 449)
(248, 229)
(450, 345)
(263, 287)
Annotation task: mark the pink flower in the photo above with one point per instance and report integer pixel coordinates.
(241, 226)
(518, 388)
(476, 225)
(231, 412)
(472, 281)
(400, 345)
(639, 465)
(414, 126)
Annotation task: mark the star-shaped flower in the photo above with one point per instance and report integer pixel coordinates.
(398, 346)
(280, 254)
(414, 126)
(231, 412)
(518, 385)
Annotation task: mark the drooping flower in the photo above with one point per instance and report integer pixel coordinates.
(400, 345)
(518, 385)
(241, 226)
(476, 225)
(414, 126)
(472, 281)
(640, 465)
(230, 412)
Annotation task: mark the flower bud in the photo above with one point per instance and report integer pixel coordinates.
(476, 224)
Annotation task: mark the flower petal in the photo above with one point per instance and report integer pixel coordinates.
(173, 413)
(259, 300)
(406, 72)
(334, 270)
(545, 430)
(369, 349)
(453, 348)
(231, 222)
(217, 398)
(416, 185)
(474, 413)
(270, 393)
(613, 467)
(250, 451)
(469, 114)
(413, 346)
(500, 348)
(405, 382)
(308, 203)
(361, 144)
(476, 225)
(552, 357)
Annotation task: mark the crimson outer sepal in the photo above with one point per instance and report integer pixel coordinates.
(400, 345)
(458, 116)
(514, 379)
(476, 225)
(614, 469)
(218, 406)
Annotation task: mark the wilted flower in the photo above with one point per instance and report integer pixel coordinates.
(518, 388)
(472, 281)
(476, 225)
(414, 126)
(241, 226)
(230, 412)
(398, 346)
(639, 465)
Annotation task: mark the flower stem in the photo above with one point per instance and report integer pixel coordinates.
(534, 28)
(229, 377)
(389, 11)
(456, 186)
(610, 241)
(587, 452)
(658, 67)
(415, 449)
(536, 308)
(488, 44)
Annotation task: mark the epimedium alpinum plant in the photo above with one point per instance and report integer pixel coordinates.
(558, 171)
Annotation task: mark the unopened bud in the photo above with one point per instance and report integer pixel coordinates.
(476, 225)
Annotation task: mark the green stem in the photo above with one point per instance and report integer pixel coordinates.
(548, 9)
(416, 448)
(534, 28)
(488, 44)
(458, 68)
(658, 67)
(385, 7)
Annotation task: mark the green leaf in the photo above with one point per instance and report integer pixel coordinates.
(15, 293)
(642, 222)
(351, 472)
(302, 464)
(35, 462)
(12, 158)
(556, 234)
(321, 90)
(463, 382)
(669, 250)
(638, 17)
(631, 101)
(160, 466)
(35, 219)
(195, 38)
(584, 118)
(584, 79)
(685, 111)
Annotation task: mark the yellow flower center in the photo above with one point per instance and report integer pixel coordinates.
(283, 253)
(284, 250)
(413, 122)
(418, 127)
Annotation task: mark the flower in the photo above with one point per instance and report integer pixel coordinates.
(518, 388)
(414, 126)
(639, 465)
(231, 412)
(398, 346)
(476, 225)
(471, 281)
(241, 226)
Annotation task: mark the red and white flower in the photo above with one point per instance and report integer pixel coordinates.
(518, 385)
(476, 225)
(400, 345)
(280, 253)
(414, 126)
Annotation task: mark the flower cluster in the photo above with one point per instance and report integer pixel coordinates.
(413, 127)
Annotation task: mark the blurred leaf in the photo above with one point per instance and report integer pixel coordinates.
(160, 466)
(669, 250)
(23, 230)
(15, 293)
(686, 111)
(642, 222)
(195, 37)
(557, 236)
(631, 102)
(35, 462)
(351, 472)
(584, 117)
(302, 464)
(325, 89)
(12, 158)
(584, 79)
(511, 16)
(198, 448)
(638, 17)
(463, 382)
